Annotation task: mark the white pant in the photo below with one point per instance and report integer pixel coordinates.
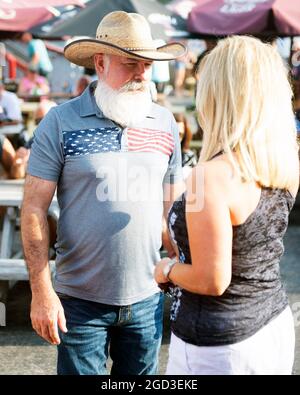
(269, 352)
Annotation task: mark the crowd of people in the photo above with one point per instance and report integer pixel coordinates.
(221, 219)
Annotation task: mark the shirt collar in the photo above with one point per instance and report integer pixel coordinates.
(88, 105)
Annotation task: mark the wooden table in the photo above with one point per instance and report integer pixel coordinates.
(13, 267)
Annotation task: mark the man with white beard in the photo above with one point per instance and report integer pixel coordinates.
(115, 159)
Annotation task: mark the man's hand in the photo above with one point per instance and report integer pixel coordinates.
(47, 314)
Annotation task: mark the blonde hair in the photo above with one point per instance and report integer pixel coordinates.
(244, 103)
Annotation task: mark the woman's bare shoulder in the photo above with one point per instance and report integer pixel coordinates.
(215, 177)
(221, 169)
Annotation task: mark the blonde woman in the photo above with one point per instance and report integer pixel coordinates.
(230, 313)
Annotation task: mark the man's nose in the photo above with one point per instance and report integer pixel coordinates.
(141, 72)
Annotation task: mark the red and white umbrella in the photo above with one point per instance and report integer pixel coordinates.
(21, 15)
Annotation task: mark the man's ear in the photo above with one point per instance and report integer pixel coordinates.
(99, 62)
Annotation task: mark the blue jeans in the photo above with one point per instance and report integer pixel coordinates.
(131, 335)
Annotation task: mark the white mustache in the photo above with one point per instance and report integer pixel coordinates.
(134, 86)
(125, 106)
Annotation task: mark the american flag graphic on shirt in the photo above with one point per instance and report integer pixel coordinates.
(114, 139)
(149, 140)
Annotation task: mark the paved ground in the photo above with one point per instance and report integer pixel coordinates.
(22, 352)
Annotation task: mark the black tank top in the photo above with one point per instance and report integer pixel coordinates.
(255, 295)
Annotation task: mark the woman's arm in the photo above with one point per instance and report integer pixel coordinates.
(210, 238)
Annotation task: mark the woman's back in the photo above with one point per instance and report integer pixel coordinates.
(255, 295)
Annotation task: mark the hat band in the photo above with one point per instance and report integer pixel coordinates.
(140, 49)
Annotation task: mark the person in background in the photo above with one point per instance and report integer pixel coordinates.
(13, 162)
(295, 69)
(199, 133)
(296, 59)
(160, 76)
(33, 84)
(230, 313)
(189, 158)
(82, 83)
(160, 72)
(181, 66)
(197, 64)
(44, 107)
(10, 108)
(38, 55)
(298, 123)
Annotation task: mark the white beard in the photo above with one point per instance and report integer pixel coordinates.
(127, 106)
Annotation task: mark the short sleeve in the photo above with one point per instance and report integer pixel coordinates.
(47, 156)
(174, 173)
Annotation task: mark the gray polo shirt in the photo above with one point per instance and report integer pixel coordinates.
(109, 189)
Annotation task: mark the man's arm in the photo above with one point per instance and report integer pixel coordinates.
(46, 310)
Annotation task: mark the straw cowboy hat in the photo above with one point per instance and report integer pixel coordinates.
(125, 34)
